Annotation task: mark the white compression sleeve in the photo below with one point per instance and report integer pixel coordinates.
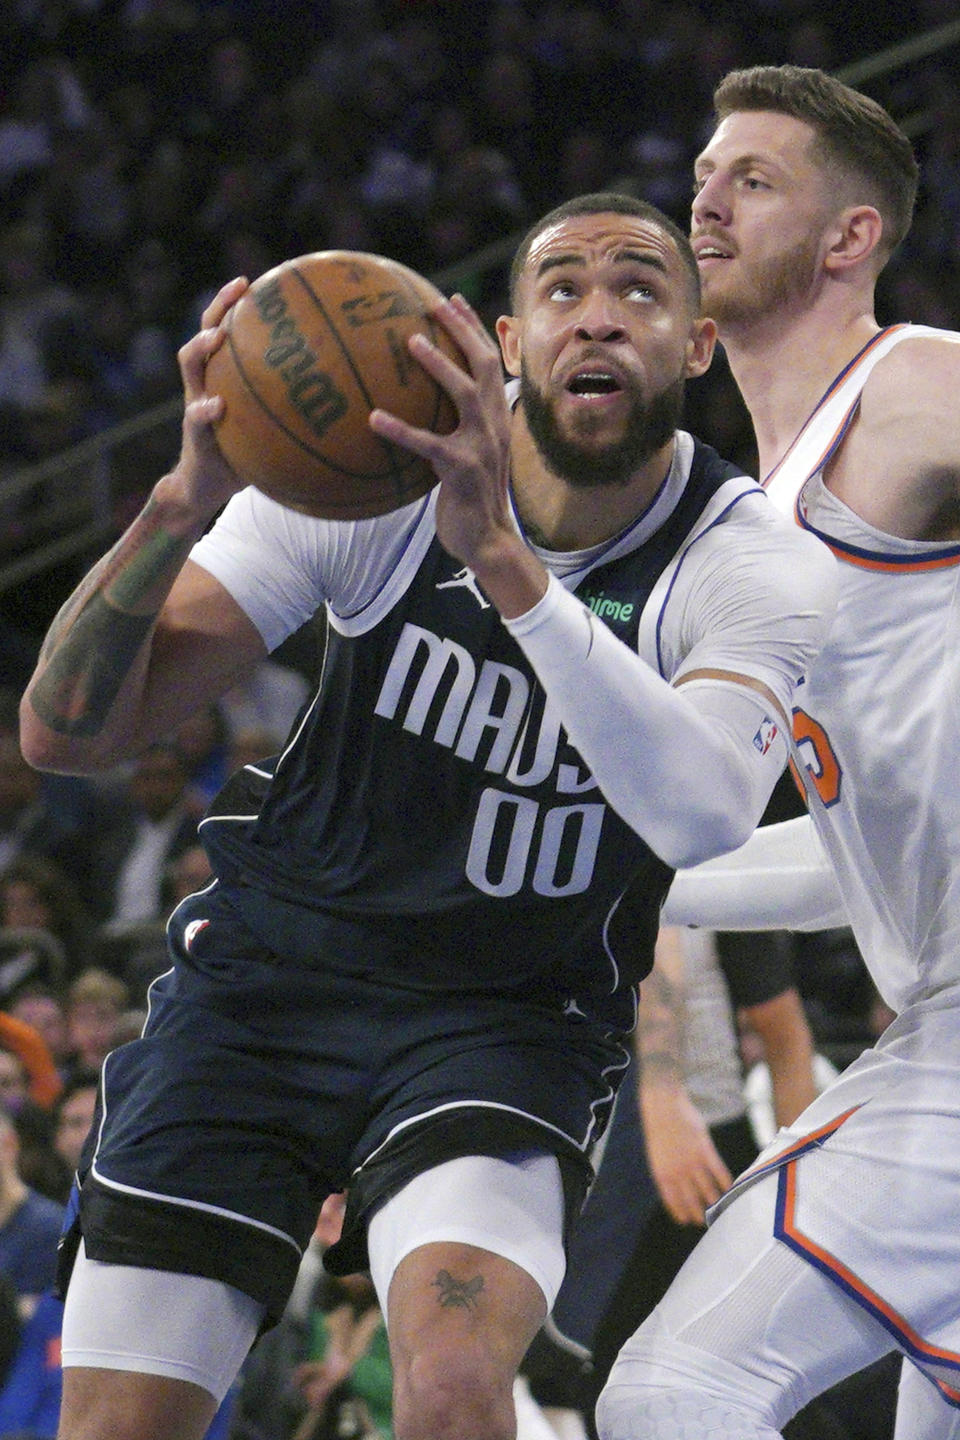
(689, 768)
(781, 879)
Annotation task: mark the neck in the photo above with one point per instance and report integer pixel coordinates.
(783, 367)
(563, 517)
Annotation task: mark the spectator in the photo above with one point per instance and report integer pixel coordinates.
(325, 1369)
(31, 823)
(37, 894)
(14, 1080)
(95, 1003)
(73, 1116)
(186, 875)
(30, 1226)
(42, 1006)
(268, 697)
(39, 1164)
(155, 821)
(28, 1071)
(30, 1394)
(29, 958)
(204, 742)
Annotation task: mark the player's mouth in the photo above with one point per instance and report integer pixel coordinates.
(710, 251)
(595, 383)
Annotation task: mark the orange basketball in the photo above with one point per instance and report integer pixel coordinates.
(310, 349)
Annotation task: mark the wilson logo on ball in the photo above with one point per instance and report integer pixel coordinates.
(310, 349)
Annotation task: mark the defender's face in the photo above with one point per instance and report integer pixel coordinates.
(605, 320)
(760, 213)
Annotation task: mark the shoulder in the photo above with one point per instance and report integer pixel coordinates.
(764, 552)
(753, 594)
(900, 465)
(920, 371)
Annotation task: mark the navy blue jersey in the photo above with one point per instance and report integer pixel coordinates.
(429, 820)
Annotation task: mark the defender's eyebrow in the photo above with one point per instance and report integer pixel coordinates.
(752, 159)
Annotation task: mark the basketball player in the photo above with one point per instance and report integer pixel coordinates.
(414, 973)
(839, 1244)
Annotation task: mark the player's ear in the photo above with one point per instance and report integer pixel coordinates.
(854, 235)
(508, 333)
(700, 346)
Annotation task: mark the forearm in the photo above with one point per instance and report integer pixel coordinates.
(781, 879)
(82, 707)
(792, 1084)
(676, 763)
(658, 1037)
(687, 1170)
(782, 1026)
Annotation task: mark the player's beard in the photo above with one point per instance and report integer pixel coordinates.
(774, 286)
(650, 425)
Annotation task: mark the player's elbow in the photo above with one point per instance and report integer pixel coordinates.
(65, 752)
(717, 817)
(711, 833)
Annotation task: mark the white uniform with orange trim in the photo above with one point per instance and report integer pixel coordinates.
(877, 744)
(866, 1183)
(877, 723)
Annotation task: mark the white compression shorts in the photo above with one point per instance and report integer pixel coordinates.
(511, 1208)
(158, 1322)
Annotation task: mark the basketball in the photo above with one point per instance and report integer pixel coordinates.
(310, 349)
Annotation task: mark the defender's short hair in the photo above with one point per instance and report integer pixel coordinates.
(853, 134)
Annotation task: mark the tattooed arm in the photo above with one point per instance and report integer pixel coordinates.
(687, 1170)
(147, 636)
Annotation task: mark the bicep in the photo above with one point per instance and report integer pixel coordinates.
(733, 677)
(204, 642)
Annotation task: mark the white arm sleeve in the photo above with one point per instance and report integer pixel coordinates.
(781, 879)
(690, 769)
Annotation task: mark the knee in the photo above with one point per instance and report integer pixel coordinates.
(453, 1393)
(659, 1386)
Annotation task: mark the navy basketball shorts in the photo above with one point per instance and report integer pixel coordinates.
(259, 1087)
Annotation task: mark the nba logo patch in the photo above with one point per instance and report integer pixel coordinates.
(765, 736)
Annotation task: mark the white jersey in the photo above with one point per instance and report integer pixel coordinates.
(877, 723)
(877, 739)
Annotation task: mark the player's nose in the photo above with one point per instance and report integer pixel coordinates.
(711, 202)
(599, 317)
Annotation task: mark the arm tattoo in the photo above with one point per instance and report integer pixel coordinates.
(663, 1063)
(458, 1293)
(83, 677)
(98, 633)
(659, 1033)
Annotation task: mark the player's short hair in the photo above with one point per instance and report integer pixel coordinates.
(604, 202)
(853, 134)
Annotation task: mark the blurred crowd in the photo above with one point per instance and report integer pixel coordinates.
(152, 149)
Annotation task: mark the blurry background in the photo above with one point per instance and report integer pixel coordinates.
(152, 149)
